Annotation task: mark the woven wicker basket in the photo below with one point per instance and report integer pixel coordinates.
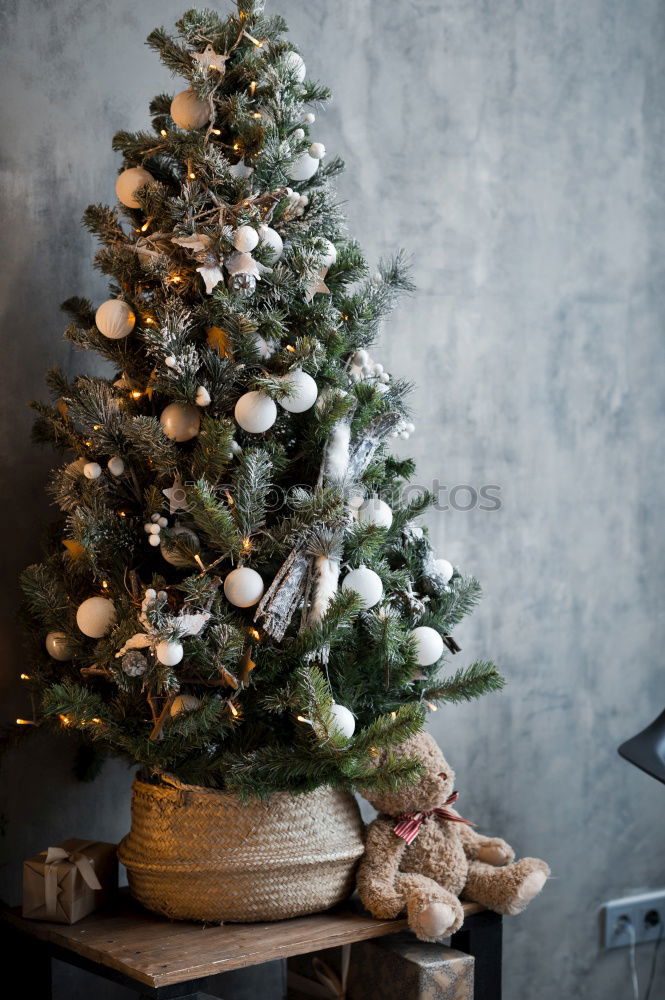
(199, 854)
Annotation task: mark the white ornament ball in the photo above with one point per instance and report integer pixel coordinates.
(189, 111)
(92, 470)
(317, 150)
(173, 555)
(202, 396)
(272, 239)
(296, 64)
(128, 183)
(245, 239)
(153, 540)
(170, 361)
(180, 422)
(361, 357)
(444, 569)
(57, 646)
(377, 512)
(169, 652)
(366, 583)
(330, 256)
(183, 703)
(304, 391)
(115, 465)
(303, 167)
(429, 645)
(95, 616)
(243, 587)
(115, 319)
(343, 720)
(255, 412)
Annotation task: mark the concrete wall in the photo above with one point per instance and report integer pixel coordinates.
(516, 151)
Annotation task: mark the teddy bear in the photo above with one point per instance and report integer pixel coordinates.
(421, 855)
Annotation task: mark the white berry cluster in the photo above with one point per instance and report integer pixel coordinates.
(363, 369)
(153, 528)
(297, 204)
(403, 430)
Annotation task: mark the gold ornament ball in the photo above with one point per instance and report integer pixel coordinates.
(180, 422)
(115, 319)
(183, 703)
(173, 555)
(57, 646)
(128, 183)
(189, 111)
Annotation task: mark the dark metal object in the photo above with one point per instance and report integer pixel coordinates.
(647, 749)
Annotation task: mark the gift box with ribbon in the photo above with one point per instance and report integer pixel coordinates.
(392, 968)
(66, 882)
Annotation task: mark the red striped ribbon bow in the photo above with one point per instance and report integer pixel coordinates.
(409, 824)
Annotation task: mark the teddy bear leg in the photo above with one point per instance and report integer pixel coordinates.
(433, 912)
(508, 889)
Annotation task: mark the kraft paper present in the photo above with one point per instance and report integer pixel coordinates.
(391, 968)
(66, 882)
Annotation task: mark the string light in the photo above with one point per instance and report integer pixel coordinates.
(255, 634)
(105, 584)
(229, 498)
(146, 224)
(96, 427)
(301, 718)
(234, 710)
(136, 394)
(236, 147)
(191, 175)
(25, 677)
(393, 715)
(199, 562)
(290, 348)
(216, 131)
(164, 133)
(65, 720)
(432, 707)
(252, 88)
(247, 545)
(25, 722)
(257, 114)
(253, 40)
(149, 321)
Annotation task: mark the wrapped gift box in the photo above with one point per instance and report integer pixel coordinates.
(392, 968)
(66, 882)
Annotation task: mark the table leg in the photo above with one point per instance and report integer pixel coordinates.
(481, 936)
(31, 960)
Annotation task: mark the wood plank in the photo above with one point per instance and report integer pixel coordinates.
(158, 952)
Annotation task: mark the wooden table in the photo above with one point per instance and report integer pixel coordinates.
(159, 958)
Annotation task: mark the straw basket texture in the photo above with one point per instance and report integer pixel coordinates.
(199, 854)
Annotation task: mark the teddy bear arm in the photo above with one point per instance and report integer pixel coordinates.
(378, 873)
(491, 850)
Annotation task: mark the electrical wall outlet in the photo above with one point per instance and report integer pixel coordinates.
(646, 913)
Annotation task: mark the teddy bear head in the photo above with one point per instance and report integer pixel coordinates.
(434, 787)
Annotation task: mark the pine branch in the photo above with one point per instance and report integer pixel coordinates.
(479, 679)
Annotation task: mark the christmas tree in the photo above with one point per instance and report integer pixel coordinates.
(236, 591)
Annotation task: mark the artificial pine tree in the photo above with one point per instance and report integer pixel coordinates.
(234, 592)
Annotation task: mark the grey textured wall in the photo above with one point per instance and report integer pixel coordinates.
(517, 151)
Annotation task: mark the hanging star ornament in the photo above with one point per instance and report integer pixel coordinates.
(209, 59)
(176, 496)
(240, 170)
(318, 286)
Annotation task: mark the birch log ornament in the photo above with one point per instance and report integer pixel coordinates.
(344, 463)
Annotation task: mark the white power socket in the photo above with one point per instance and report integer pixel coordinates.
(646, 912)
